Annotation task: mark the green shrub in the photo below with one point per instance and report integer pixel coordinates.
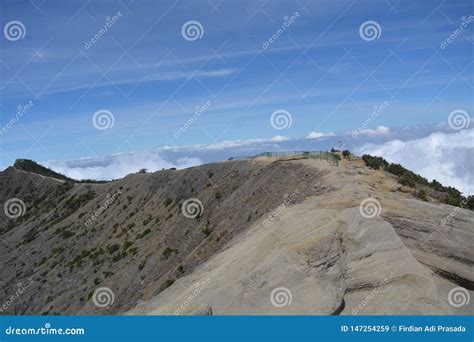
(206, 231)
(470, 202)
(422, 195)
(127, 244)
(374, 162)
(74, 203)
(145, 233)
(396, 169)
(113, 248)
(407, 180)
(167, 284)
(168, 251)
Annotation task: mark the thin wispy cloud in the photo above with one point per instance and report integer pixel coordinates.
(154, 81)
(150, 77)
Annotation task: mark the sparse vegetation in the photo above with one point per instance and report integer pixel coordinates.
(144, 233)
(168, 201)
(422, 195)
(113, 248)
(167, 284)
(445, 194)
(73, 203)
(178, 245)
(206, 231)
(374, 162)
(127, 244)
(168, 251)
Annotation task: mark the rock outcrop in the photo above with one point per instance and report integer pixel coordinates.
(266, 236)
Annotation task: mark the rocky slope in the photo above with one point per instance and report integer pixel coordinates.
(273, 236)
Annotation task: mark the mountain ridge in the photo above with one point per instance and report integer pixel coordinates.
(142, 246)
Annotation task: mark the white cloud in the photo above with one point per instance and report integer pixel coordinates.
(381, 130)
(226, 144)
(279, 138)
(446, 157)
(319, 135)
(229, 144)
(149, 77)
(117, 166)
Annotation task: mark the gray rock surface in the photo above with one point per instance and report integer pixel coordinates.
(274, 237)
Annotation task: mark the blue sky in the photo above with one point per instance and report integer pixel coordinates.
(143, 71)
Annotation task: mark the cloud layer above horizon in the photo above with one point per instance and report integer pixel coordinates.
(442, 155)
(448, 158)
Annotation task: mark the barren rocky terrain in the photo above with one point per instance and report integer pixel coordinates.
(273, 236)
